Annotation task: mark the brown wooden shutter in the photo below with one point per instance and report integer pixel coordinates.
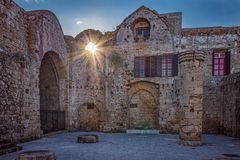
(147, 66)
(175, 64)
(227, 64)
(137, 61)
(213, 55)
(159, 66)
(153, 66)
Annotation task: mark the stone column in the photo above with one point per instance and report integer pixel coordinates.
(191, 93)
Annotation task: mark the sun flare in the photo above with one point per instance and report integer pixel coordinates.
(91, 47)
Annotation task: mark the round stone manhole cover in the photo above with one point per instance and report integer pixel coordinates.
(39, 155)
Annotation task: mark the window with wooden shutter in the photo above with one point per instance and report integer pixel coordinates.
(167, 65)
(147, 66)
(156, 66)
(139, 67)
(221, 63)
(159, 66)
(227, 66)
(142, 68)
(175, 65)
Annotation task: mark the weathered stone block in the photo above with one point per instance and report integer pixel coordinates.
(39, 155)
(87, 139)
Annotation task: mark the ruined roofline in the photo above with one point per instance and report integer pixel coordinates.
(16, 5)
(153, 11)
(218, 30)
(170, 13)
(43, 12)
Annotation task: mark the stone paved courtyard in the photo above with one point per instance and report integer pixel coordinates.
(120, 146)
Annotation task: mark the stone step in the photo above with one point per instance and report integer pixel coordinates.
(10, 150)
(228, 157)
(36, 155)
(6, 145)
(88, 139)
(142, 131)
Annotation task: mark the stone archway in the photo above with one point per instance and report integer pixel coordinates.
(89, 117)
(52, 110)
(143, 109)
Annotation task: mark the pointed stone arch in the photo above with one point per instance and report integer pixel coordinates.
(53, 93)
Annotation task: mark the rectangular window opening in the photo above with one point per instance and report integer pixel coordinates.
(156, 66)
(221, 63)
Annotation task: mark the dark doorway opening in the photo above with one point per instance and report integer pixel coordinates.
(51, 115)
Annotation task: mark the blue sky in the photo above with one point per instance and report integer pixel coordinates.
(105, 15)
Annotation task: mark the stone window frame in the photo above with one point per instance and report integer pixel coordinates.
(221, 60)
(145, 30)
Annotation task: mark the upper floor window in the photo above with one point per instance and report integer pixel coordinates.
(141, 30)
(221, 63)
(156, 66)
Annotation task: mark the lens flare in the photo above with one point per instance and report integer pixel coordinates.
(91, 47)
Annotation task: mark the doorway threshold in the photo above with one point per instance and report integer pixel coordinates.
(54, 133)
(142, 131)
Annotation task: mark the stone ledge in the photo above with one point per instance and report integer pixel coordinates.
(38, 155)
(142, 131)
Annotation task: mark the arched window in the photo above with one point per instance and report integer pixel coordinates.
(141, 29)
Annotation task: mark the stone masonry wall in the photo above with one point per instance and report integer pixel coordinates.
(94, 89)
(191, 98)
(230, 99)
(121, 74)
(23, 43)
(87, 97)
(13, 48)
(208, 40)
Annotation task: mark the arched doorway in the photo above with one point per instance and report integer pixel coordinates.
(52, 112)
(143, 109)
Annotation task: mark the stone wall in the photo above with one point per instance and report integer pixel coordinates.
(121, 75)
(208, 40)
(13, 48)
(86, 84)
(99, 91)
(118, 50)
(230, 99)
(25, 38)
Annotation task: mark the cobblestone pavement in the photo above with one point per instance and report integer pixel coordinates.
(120, 146)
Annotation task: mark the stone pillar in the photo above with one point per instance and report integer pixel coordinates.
(190, 99)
